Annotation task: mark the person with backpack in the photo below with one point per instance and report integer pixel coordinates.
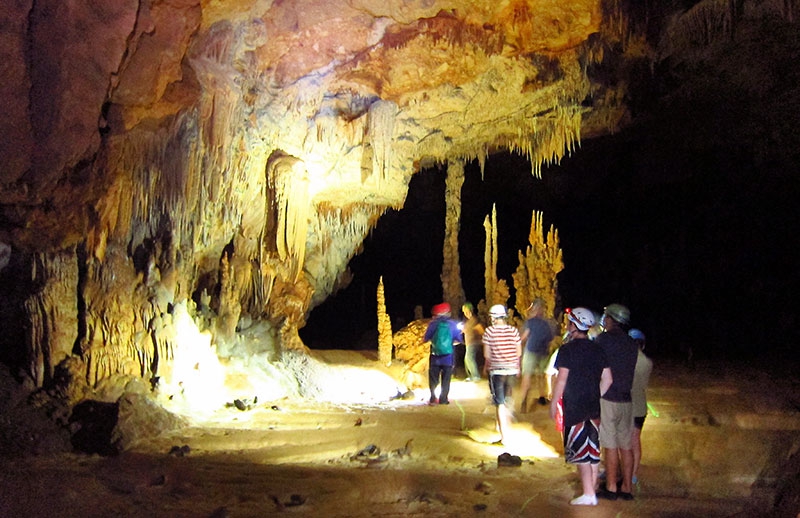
(502, 348)
(441, 333)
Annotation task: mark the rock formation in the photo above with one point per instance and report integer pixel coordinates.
(538, 267)
(231, 157)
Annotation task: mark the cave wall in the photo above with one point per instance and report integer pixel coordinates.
(235, 155)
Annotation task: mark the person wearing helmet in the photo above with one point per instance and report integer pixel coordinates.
(442, 332)
(583, 376)
(641, 377)
(502, 349)
(616, 424)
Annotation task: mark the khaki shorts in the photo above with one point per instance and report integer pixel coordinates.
(533, 363)
(616, 424)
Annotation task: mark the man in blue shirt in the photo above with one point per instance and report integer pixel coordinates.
(536, 336)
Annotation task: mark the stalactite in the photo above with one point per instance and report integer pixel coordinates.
(289, 181)
(452, 290)
(384, 328)
(52, 313)
(382, 117)
(704, 24)
(118, 314)
(545, 140)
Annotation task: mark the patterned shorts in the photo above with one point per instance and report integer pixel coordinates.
(582, 442)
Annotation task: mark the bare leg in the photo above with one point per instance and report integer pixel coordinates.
(636, 447)
(595, 473)
(524, 388)
(585, 471)
(549, 380)
(501, 415)
(627, 470)
(612, 468)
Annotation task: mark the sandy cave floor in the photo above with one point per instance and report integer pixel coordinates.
(405, 458)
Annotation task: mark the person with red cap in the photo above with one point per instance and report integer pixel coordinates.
(442, 332)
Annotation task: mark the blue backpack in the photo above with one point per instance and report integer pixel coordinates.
(442, 341)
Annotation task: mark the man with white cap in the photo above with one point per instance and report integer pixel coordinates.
(583, 376)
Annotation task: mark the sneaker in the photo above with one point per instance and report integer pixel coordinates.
(584, 500)
(444, 401)
(433, 401)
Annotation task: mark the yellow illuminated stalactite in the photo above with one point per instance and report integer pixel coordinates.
(452, 290)
(382, 115)
(536, 274)
(290, 181)
(384, 328)
(52, 313)
(545, 140)
(119, 312)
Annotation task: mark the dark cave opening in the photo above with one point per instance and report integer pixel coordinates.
(689, 242)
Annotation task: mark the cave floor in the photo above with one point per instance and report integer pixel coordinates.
(714, 445)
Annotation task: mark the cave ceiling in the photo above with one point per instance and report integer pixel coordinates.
(159, 100)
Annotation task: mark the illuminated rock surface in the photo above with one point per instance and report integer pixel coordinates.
(235, 156)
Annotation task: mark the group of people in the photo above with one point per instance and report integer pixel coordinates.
(599, 391)
(502, 350)
(601, 384)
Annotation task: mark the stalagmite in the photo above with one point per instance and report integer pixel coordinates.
(489, 279)
(496, 289)
(229, 306)
(384, 328)
(536, 274)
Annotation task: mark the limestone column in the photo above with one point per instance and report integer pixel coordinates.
(452, 289)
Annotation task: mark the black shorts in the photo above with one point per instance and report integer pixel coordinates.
(638, 422)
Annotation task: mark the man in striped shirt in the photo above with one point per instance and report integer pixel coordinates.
(502, 349)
